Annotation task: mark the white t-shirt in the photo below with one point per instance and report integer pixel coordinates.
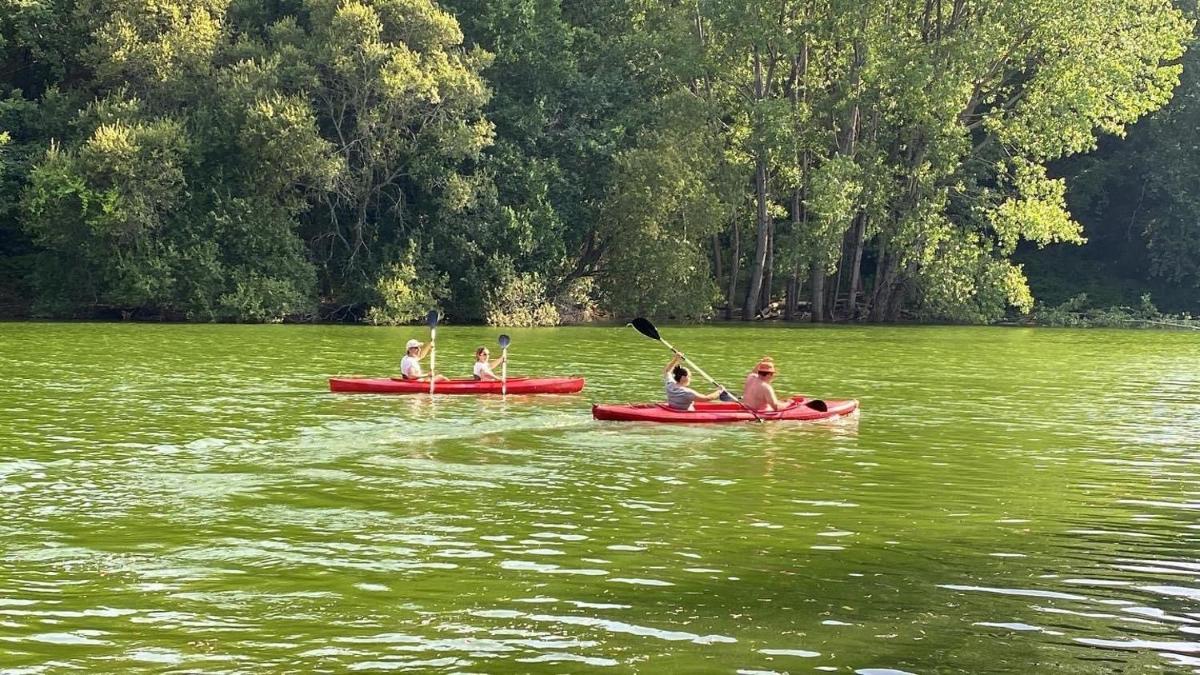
(410, 367)
(482, 368)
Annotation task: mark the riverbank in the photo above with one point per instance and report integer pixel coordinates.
(1075, 313)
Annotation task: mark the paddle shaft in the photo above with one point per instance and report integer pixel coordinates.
(694, 367)
(432, 358)
(504, 371)
(714, 383)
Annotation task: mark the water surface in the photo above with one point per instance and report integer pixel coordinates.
(191, 498)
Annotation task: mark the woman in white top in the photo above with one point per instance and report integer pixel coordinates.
(483, 368)
(410, 365)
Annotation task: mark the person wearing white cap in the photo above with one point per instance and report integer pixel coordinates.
(410, 365)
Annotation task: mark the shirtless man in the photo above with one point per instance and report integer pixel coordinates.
(758, 393)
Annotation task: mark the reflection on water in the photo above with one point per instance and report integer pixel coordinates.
(191, 498)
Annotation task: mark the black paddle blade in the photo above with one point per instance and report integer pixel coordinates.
(432, 318)
(646, 328)
(727, 397)
(817, 404)
(504, 341)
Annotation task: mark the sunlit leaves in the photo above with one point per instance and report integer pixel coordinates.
(1036, 211)
(157, 46)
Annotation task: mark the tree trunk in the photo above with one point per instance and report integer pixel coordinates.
(837, 286)
(899, 293)
(792, 303)
(735, 259)
(881, 262)
(769, 273)
(818, 293)
(761, 242)
(860, 240)
(883, 306)
(716, 251)
(760, 185)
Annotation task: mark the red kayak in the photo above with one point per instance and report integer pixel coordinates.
(516, 385)
(715, 412)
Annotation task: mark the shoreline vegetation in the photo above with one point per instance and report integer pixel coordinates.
(529, 164)
(1078, 312)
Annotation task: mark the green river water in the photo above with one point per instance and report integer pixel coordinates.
(182, 498)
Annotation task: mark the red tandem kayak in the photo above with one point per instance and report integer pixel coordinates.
(516, 385)
(710, 413)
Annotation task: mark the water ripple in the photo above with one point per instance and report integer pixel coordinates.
(191, 498)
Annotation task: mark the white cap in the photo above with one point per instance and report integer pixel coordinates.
(411, 344)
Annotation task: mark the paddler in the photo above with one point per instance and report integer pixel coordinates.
(410, 365)
(677, 379)
(483, 367)
(758, 394)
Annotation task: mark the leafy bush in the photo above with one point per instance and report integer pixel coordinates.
(405, 292)
(1078, 312)
(520, 300)
(577, 304)
(264, 299)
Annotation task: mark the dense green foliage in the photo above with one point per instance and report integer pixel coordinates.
(529, 161)
(1140, 205)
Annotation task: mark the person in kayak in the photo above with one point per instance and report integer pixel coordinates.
(410, 365)
(677, 379)
(758, 394)
(483, 368)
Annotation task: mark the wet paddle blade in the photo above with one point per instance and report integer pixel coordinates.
(817, 404)
(432, 318)
(646, 328)
(504, 341)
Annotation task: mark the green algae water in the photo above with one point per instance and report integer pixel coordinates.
(193, 499)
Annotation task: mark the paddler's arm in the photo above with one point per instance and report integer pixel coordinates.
(709, 397)
(775, 403)
(675, 359)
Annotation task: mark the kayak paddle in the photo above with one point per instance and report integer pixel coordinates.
(432, 320)
(646, 328)
(504, 341)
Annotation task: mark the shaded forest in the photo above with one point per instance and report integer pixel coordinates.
(530, 162)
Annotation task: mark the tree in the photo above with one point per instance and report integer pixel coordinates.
(154, 205)
(934, 123)
(402, 105)
(1137, 198)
